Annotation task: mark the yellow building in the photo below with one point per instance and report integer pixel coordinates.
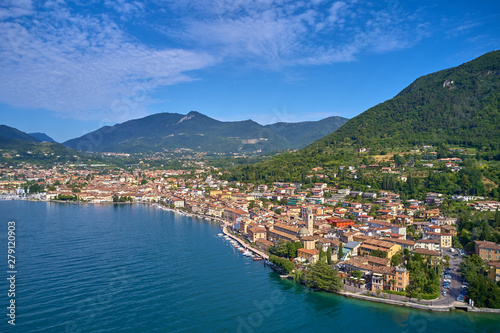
(308, 255)
(370, 245)
(256, 233)
(494, 271)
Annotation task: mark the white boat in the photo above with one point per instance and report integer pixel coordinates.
(247, 253)
(220, 234)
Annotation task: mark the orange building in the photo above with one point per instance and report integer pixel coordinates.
(339, 223)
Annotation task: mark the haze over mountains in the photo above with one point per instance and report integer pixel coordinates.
(201, 133)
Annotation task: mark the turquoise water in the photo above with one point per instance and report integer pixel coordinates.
(124, 268)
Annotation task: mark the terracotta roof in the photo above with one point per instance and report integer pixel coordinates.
(311, 252)
(426, 252)
(487, 245)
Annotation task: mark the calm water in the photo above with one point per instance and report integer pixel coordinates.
(123, 268)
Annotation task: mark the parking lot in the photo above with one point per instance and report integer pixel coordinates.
(455, 284)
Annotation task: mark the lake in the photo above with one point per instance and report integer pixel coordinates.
(136, 268)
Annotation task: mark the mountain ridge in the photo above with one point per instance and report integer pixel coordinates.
(458, 106)
(8, 132)
(42, 137)
(195, 131)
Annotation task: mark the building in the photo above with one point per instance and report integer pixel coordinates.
(309, 220)
(405, 244)
(488, 251)
(310, 256)
(381, 277)
(428, 244)
(231, 215)
(308, 242)
(395, 228)
(370, 245)
(340, 223)
(351, 248)
(177, 202)
(445, 240)
(255, 233)
(433, 255)
(494, 271)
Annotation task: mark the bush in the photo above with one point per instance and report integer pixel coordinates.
(400, 293)
(425, 296)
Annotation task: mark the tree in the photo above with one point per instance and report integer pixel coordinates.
(396, 259)
(291, 249)
(357, 274)
(282, 263)
(341, 251)
(144, 181)
(323, 277)
(280, 249)
(329, 255)
(322, 255)
(251, 204)
(378, 253)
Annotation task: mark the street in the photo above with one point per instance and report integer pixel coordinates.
(456, 280)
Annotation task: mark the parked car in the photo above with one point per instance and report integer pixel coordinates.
(444, 292)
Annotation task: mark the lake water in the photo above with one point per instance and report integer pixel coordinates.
(135, 268)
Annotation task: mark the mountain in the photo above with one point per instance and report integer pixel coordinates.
(42, 137)
(301, 134)
(194, 131)
(14, 150)
(13, 133)
(456, 107)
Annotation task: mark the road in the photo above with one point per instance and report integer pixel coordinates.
(456, 279)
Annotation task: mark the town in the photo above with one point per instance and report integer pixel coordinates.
(377, 244)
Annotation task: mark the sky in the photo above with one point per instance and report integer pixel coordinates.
(71, 67)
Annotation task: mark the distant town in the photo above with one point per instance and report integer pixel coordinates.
(380, 246)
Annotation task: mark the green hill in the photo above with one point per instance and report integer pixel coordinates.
(42, 137)
(303, 133)
(13, 133)
(13, 150)
(457, 106)
(194, 131)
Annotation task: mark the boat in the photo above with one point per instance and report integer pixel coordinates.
(247, 253)
(257, 258)
(219, 234)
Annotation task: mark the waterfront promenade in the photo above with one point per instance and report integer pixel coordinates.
(245, 245)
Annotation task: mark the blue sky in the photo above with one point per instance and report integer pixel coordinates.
(70, 67)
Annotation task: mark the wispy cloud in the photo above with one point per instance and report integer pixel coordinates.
(86, 63)
(84, 66)
(15, 8)
(284, 33)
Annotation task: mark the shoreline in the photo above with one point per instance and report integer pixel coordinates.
(414, 305)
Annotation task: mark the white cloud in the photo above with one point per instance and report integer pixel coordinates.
(84, 67)
(283, 33)
(15, 8)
